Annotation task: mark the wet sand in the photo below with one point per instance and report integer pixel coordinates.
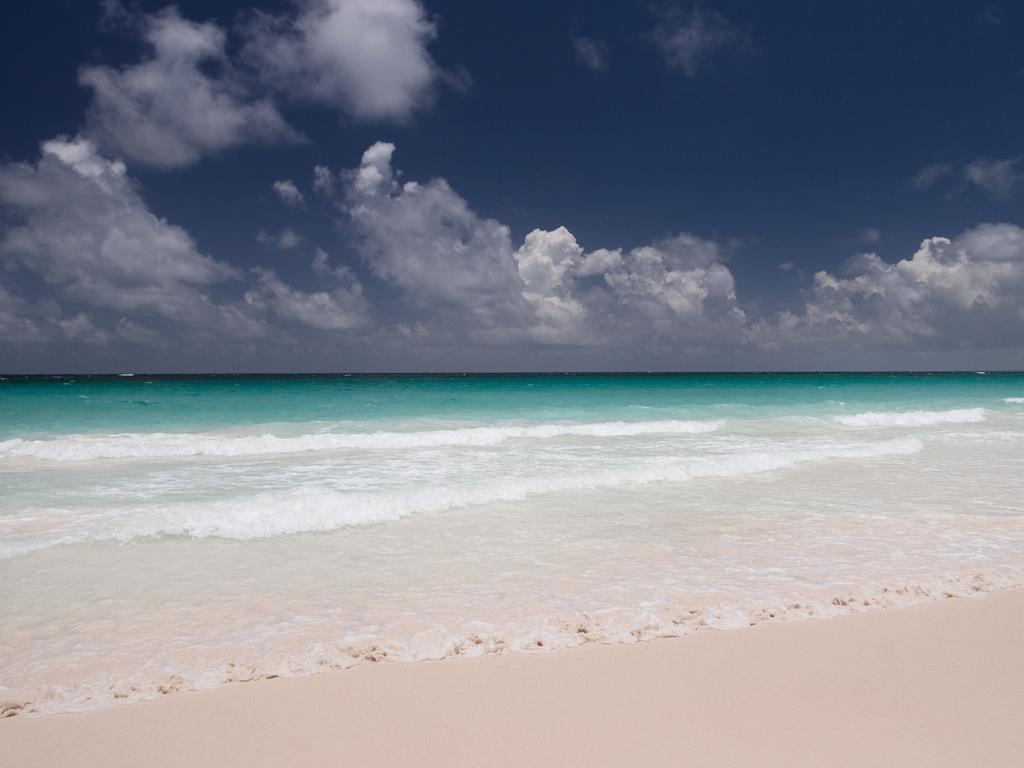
(935, 685)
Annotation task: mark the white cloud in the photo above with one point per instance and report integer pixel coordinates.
(43, 321)
(687, 38)
(592, 53)
(188, 98)
(340, 308)
(466, 280)
(547, 259)
(180, 103)
(77, 221)
(285, 240)
(965, 289)
(323, 180)
(461, 270)
(453, 280)
(321, 263)
(928, 176)
(289, 193)
(86, 231)
(546, 263)
(600, 261)
(426, 240)
(994, 242)
(682, 289)
(997, 177)
(680, 272)
(366, 57)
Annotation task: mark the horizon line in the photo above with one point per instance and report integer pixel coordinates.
(625, 372)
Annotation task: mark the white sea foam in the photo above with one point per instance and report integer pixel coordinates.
(157, 445)
(912, 418)
(294, 644)
(162, 562)
(309, 509)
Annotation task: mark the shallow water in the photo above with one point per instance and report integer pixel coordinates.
(168, 533)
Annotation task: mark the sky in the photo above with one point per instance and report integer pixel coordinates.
(431, 185)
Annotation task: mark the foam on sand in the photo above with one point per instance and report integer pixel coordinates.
(677, 699)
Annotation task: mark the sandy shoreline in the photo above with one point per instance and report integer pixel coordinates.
(939, 684)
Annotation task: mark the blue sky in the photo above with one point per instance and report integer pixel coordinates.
(726, 185)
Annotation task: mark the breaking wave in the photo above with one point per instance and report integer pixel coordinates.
(310, 509)
(912, 418)
(160, 445)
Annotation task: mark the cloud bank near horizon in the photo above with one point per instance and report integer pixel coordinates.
(118, 276)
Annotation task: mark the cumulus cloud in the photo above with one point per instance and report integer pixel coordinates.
(183, 101)
(600, 261)
(467, 280)
(547, 263)
(340, 308)
(39, 322)
(453, 279)
(547, 259)
(366, 57)
(76, 221)
(997, 177)
(85, 229)
(289, 193)
(463, 270)
(680, 277)
(455, 268)
(592, 53)
(968, 289)
(189, 97)
(42, 321)
(686, 38)
(425, 239)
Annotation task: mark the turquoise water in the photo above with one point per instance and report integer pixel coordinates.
(51, 405)
(166, 533)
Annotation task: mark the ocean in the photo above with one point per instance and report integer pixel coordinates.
(163, 533)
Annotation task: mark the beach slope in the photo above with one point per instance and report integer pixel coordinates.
(936, 685)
